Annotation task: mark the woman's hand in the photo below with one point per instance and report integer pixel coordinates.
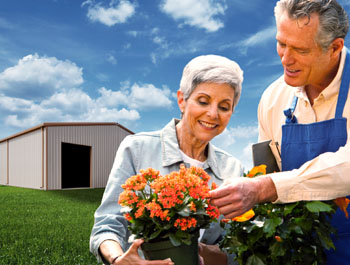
(131, 257)
(211, 255)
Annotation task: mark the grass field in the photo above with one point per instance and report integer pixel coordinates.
(46, 227)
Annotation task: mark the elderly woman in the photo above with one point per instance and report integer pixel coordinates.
(210, 89)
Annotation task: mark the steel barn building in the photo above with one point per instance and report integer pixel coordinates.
(64, 155)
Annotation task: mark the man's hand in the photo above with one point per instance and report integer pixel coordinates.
(238, 195)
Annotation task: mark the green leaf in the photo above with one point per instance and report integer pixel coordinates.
(277, 249)
(326, 240)
(185, 212)
(303, 222)
(318, 206)
(254, 260)
(174, 240)
(155, 234)
(288, 208)
(271, 224)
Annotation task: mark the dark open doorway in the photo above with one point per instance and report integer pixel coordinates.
(75, 166)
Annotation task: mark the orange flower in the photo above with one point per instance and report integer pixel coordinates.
(128, 198)
(343, 205)
(162, 200)
(261, 170)
(278, 239)
(213, 211)
(192, 206)
(185, 223)
(244, 217)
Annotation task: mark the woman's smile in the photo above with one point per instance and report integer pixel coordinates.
(207, 125)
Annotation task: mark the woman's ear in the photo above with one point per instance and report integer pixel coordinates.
(181, 101)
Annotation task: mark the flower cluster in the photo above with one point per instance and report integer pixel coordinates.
(172, 206)
(295, 233)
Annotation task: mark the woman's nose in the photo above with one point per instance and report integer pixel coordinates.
(213, 112)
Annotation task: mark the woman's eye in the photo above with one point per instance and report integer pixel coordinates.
(224, 108)
(203, 102)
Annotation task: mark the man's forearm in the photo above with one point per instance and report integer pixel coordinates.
(266, 189)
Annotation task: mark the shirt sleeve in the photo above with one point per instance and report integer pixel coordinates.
(110, 223)
(326, 177)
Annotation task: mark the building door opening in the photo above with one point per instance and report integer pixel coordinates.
(75, 166)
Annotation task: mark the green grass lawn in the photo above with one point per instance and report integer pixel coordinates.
(46, 227)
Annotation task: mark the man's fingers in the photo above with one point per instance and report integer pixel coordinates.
(221, 191)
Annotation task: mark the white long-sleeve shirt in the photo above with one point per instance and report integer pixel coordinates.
(324, 177)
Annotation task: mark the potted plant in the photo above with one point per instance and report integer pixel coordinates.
(295, 233)
(168, 211)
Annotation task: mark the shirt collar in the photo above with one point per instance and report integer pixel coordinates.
(171, 149)
(333, 88)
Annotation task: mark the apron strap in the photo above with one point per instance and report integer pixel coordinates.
(289, 113)
(344, 87)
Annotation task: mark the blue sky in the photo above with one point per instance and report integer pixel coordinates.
(122, 60)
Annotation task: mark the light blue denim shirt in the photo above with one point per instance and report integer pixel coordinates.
(159, 150)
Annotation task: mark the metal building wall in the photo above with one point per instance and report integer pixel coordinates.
(104, 140)
(25, 160)
(3, 163)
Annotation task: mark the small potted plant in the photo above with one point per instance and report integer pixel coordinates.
(276, 234)
(168, 211)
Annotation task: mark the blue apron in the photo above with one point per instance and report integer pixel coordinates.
(303, 142)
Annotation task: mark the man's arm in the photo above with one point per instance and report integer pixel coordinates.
(239, 195)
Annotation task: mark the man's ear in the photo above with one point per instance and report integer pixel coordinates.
(337, 46)
(181, 101)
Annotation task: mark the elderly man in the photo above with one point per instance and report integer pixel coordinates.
(307, 113)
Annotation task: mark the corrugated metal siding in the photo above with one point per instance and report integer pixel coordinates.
(3, 163)
(104, 141)
(25, 160)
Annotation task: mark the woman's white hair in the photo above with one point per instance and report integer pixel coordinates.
(211, 69)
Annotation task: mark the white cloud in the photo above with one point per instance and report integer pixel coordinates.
(114, 14)
(257, 38)
(73, 105)
(260, 37)
(74, 102)
(233, 134)
(37, 77)
(133, 33)
(5, 24)
(111, 59)
(137, 97)
(104, 114)
(111, 98)
(237, 141)
(246, 157)
(41, 89)
(196, 13)
(147, 95)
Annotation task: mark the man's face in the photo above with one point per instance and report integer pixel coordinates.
(303, 60)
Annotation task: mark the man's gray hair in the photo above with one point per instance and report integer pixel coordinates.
(334, 21)
(211, 69)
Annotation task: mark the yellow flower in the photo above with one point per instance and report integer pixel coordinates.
(256, 170)
(244, 217)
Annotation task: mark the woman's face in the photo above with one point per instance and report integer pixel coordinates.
(207, 111)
